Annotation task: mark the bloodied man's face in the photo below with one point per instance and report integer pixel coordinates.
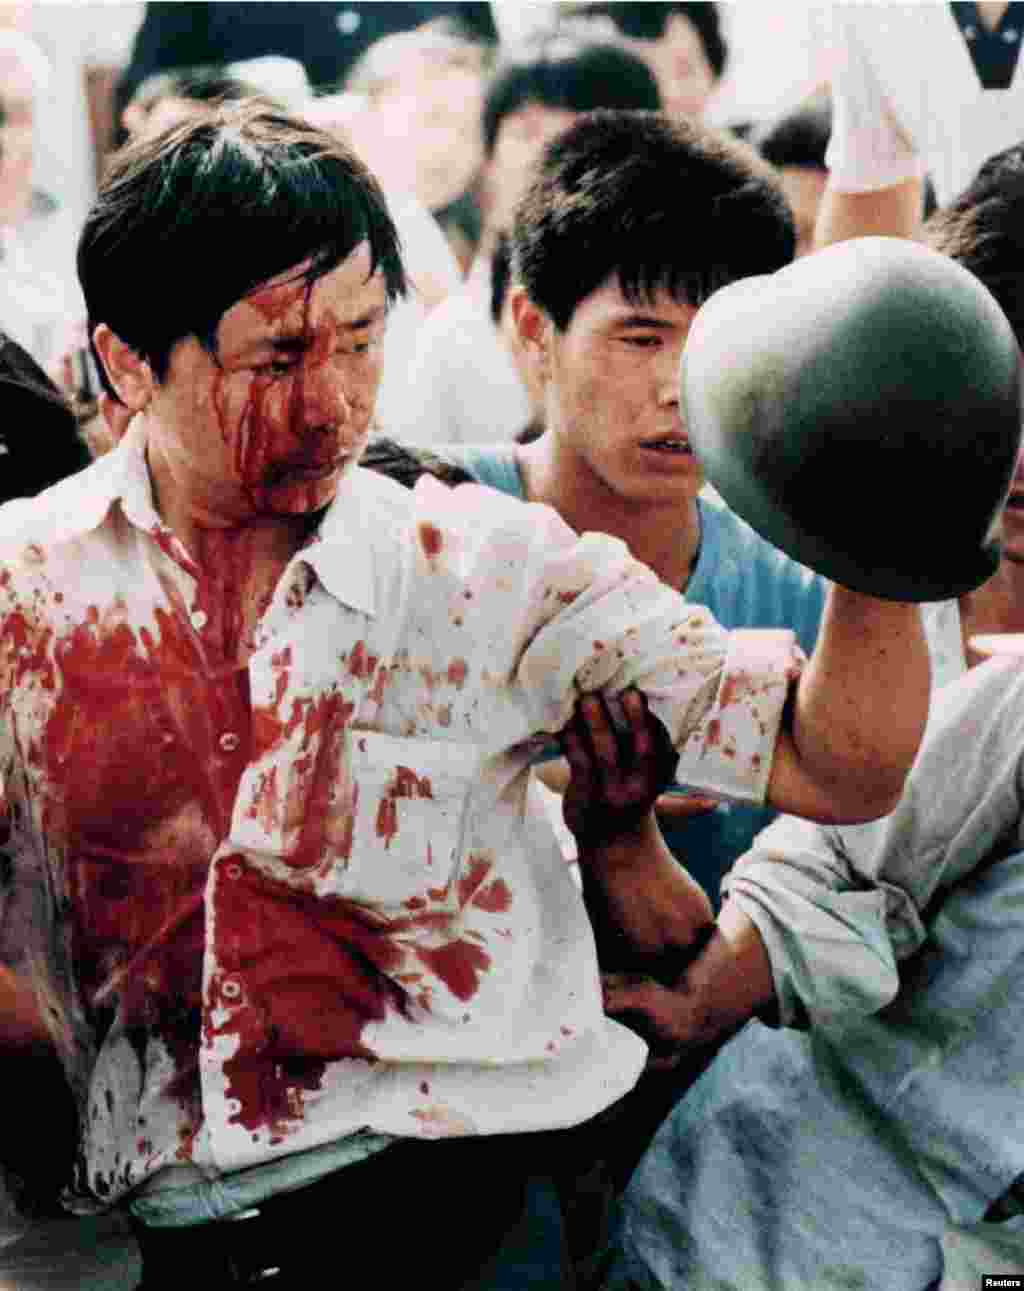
(269, 424)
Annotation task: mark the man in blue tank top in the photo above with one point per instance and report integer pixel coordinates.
(614, 455)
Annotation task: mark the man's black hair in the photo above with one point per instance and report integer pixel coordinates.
(646, 21)
(560, 71)
(190, 221)
(799, 137)
(983, 229)
(659, 203)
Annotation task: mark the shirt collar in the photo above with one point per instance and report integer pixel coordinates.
(340, 554)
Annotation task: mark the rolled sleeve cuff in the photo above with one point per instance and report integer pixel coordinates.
(730, 753)
(868, 161)
(826, 964)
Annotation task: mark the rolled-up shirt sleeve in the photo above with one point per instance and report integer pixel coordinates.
(839, 907)
(611, 624)
(827, 930)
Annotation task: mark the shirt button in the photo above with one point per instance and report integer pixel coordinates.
(198, 620)
(230, 989)
(228, 742)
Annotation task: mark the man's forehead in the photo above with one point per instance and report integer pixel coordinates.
(349, 286)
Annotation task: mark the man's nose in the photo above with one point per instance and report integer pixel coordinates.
(667, 374)
(324, 400)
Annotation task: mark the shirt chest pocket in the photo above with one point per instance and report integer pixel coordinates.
(411, 805)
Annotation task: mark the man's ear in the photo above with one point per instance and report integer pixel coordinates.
(533, 330)
(130, 375)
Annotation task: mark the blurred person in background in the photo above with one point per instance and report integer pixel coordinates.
(166, 98)
(431, 268)
(423, 96)
(464, 381)
(38, 289)
(795, 144)
(682, 44)
(916, 89)
(326, 38)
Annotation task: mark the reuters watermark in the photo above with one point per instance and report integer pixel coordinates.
(1004, 1281)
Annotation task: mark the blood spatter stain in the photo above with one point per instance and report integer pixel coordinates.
(431, 540)
(459, 964)
(458, 670)
(473, 886)
(137, 797)
(291, 1015)
(360, 663)
(404, 784)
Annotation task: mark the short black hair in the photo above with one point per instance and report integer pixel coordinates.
(562, 71)
(191, 220)
(661, 203)
(983, 230)
(799, 137)
(646, 21)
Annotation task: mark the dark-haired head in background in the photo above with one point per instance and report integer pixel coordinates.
(327, 38)
(795, 145)
(467, 390)
(682, 44)
(539, 89)
(165, 98)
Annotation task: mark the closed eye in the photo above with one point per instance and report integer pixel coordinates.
(642, 340)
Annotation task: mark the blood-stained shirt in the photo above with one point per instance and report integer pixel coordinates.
(277, 904)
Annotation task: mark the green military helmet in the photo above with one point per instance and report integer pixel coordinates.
(861, 408)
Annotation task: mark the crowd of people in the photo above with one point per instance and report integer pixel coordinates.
(439, 835)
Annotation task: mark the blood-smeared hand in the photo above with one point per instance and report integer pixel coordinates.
(617, 769)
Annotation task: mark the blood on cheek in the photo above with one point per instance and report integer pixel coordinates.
(269, 420)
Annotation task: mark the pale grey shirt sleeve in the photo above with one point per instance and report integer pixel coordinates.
(839, 907)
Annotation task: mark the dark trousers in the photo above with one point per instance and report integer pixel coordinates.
(456, 1214)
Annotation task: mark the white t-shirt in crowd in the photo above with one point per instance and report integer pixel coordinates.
(429, 261)
(464, 381)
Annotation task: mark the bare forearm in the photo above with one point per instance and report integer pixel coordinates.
(725, 985)
(887, 212)
(648, 914)
(859, 712)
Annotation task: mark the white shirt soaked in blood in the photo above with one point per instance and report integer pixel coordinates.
(284, 903)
